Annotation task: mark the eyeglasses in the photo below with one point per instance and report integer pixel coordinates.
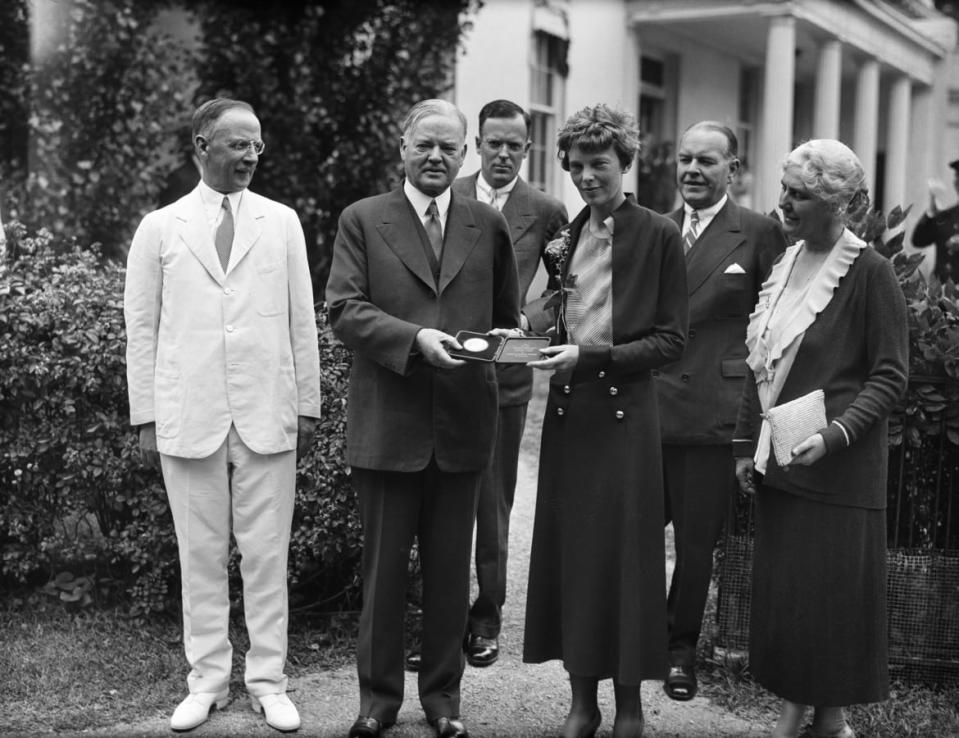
(495, 145)
(241, 147)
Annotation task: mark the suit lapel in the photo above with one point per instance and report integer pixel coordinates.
(249, 226)
(518, 212)
(195, 233)
(400, 233)
(721, 237)
(462, 233)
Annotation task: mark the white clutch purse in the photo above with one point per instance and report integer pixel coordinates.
(793, 422)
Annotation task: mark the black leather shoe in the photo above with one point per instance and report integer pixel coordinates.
(367, 727)
(449, 728)
(680, 683)
(482, 651)
(414, 660)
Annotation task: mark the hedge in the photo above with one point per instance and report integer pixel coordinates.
(73, 495)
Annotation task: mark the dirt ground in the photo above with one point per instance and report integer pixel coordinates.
(508, 700)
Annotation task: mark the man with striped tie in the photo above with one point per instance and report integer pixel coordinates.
(729, 251)
(224, 383)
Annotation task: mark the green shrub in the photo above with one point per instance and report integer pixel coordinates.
(73, 496)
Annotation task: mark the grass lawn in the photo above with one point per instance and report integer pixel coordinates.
(63, 671)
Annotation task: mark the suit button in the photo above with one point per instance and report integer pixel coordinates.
(692, 332)
(655, 372)
(560, 411)
(566, 389)
(613, 391)
(227, 291)
(684, 377)
(620, 415)
(229, 329)
(602, 374)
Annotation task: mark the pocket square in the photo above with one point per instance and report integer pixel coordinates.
(734, 269)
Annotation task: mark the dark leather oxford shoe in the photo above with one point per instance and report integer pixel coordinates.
(449, 728)
(481, 651)
(680, 683)
(414, 660)
(368, 727)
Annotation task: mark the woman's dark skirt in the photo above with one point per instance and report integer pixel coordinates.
(818, 620)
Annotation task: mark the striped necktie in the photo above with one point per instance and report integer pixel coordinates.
(433, 228)
(224, 235)
(692, 232)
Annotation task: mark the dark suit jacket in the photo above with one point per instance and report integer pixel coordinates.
(381, 292)
(533, 218)
(699, 394)
(938, 230)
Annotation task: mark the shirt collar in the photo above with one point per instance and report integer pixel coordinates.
(485, 188)
(706, 213)
(213, 200)
(421, 201)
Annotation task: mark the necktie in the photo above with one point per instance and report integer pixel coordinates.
(433, 228)
(589, 304)
(224, 235)
(493, 199)
(692, 233)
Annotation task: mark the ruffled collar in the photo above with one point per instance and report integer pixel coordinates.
(763, 354)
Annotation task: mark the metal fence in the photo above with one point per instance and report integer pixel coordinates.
(922, 520)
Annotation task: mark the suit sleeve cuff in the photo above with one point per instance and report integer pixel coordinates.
(744, 447)
(836, 437)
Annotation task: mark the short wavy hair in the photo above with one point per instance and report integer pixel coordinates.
(831, 171)
(433, 106)
(597, 128)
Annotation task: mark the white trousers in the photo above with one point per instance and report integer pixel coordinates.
(253, 494)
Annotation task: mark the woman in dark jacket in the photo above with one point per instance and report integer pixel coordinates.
(596, 596)
(830, 317)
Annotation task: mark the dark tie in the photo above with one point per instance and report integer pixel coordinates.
(692, 233)
(224, 235)
(433, 228)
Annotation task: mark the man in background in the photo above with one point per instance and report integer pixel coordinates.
(533, 218)
(940, 228)
(410, 269)
(729, 252)
(224, 383)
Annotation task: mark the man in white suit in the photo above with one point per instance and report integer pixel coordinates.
(223, 374)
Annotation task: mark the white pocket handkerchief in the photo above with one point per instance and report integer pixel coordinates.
(734, 269)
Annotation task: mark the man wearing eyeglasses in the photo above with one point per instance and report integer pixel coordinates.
(533, 218)
(223, 375)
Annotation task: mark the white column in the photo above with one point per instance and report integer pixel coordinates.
(866, 133)
(897, 143)
(776, 127)
(828, 91)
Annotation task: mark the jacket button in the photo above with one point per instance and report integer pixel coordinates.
(655, 372)
(560, 411)
(566, 389)
(229, 329)
(602, 374)
(685, 377)
(620, 415)
(692, 332)
(613, 391)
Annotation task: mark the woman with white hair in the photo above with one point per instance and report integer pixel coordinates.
(830, 318)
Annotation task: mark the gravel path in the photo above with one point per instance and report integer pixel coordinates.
(508, 700)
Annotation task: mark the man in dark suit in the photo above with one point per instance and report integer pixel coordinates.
(410, 269)
(729, 252)
(940, 228)
(533, 218)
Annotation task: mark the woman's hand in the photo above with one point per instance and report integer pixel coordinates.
(745, 474)
(809, 451)
(558, 357)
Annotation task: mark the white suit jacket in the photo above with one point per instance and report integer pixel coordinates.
(206, 349)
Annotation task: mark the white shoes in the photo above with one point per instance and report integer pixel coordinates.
(196, 708)
(279, 711)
